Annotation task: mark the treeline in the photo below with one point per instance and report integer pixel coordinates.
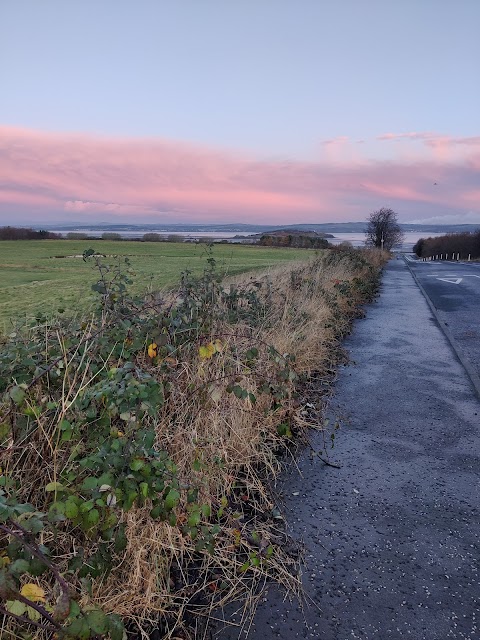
(158, 237)
(293, 240)
(22, 233)
(19, 233)
(464, 245)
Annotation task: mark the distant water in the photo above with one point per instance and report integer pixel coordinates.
(139, 232)
(356, 239)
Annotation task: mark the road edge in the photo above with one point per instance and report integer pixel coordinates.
(472, 374)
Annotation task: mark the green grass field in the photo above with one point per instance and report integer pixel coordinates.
(45, 275)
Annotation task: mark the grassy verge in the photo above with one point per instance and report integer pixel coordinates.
(139, 444)
(47, 275)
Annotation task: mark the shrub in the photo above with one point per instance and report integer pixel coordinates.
(296, 240)
(463, 244)
(77, 235)
(21, 233)
(137, 441)
(418, 247)
(152, 237)
(108, 235)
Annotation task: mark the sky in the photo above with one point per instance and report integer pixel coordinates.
(255, 111)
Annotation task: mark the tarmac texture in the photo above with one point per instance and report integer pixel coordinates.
(392, 537)
(454, 290)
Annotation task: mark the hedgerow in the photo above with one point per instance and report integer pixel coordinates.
(137, 442)
(450, 246)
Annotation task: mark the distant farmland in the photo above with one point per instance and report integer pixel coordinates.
(48, 275)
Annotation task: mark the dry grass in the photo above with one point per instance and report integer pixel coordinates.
(161, 576)
(301, 321)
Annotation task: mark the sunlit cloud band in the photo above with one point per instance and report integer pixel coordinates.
(48, 177)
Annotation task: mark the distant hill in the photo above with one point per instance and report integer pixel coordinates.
(288, 231)
(359, 227)
(320, 228)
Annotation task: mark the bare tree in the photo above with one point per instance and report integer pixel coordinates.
(383, 230)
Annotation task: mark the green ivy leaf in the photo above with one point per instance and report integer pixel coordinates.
(284, 430)
(115, 626)
(16, 607)
(37, 567)
(194, 518)
(54, 486)
(57, 511)
(136, 464)
(35, 525)
(237, 391)
(90, 483)
(17, 394)
(77, 628)
(120, 543)
(97, 621)
(19, 566)
(91, 518)
(86, 506)
(71, 509)
(171, 499)
(157, 511)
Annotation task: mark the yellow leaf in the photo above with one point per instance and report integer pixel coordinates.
(152, 350)
(33, 592)
(218, 345)
(206, 352)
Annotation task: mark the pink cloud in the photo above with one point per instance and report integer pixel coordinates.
(14, 197)
(434, 140)
(395, 191)
(84, 177)
(413, 135)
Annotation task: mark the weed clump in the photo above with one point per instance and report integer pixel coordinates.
(138, 444)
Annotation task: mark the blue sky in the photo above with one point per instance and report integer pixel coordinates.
(253, 85)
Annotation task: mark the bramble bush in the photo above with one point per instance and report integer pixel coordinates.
(89, 407)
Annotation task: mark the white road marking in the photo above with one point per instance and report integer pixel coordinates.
(452, 275)
(456, 281)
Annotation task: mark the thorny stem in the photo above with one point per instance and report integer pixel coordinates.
(5, 612)
(33, 548)
(43, 612)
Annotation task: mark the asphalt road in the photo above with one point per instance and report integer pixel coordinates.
(454, 290)
(392, 537)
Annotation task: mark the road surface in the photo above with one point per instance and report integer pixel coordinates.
(454, 290)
